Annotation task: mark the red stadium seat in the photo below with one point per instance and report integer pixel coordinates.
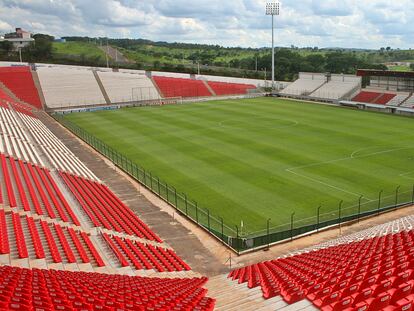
(371, 274)
(223, 88)
(64, 290)
(20, 81)
(178, 87)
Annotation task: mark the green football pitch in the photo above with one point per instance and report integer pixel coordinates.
(251, 160)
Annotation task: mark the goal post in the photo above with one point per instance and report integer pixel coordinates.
(148, 94)
(171, 101)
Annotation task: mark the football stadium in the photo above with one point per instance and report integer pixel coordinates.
(125, 188)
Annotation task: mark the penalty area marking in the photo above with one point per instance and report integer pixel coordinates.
(351, 157)
(404, 175)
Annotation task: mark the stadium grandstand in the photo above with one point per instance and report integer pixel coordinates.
(384, 90)
(79, 231)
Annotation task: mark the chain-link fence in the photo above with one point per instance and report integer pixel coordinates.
(232, 236)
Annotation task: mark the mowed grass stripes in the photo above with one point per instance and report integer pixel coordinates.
(250, 160)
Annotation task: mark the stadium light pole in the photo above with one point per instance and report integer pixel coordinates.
(20, 54)
(273, 9)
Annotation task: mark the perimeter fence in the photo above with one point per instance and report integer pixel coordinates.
(241, 239)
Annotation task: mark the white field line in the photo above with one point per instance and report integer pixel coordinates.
(326, 184)
(352, 156)
(404, 175)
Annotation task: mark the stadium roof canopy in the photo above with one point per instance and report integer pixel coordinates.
(385, 73)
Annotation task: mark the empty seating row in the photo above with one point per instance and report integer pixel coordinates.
(305, 85)
(126, 87)
(256, 82)
(62, 245)
(4, 237)
(371, 274)
(58, 154)
(409, 103)
(6, 102)
(144, 256)
(338, 87)
(398, 99)
(402, 224)
(335, 90)
(384, 99)
(33, 189)
(105, 209)
(178, 87)
(20, 81)
(69, 87)
(366, 97)
(22, 108)
(14, 140)
(223, 88)
(24, 289)
(374, 97)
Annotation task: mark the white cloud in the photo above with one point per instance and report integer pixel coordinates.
(345, 23)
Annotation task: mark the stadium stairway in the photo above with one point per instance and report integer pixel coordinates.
(187, 245)
(157, 87)
(39, 88)
(233, 297)
(209, 88)
(101, 86)
(370, 270)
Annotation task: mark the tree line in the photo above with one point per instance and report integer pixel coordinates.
(252, 63)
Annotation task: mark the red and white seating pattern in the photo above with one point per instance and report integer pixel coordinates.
(33, 189)
(374, 97)
(399, 225)
(371, 274)
(178, 87)
(409, 103)
(223, 88)
(20, 81)
(398, 99)
(58, 154)
(24, 237)
(14, 139)
(25, 290)
(41, 225)
(6, 100)
(104, 208)
(18, 139)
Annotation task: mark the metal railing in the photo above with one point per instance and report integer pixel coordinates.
(231, 235)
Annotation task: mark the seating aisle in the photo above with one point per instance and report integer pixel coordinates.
(375, 273)
(24, 289)
(60, 227)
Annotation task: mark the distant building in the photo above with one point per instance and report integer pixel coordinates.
(19, 38)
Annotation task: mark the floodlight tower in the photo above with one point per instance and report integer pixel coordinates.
(273, 9)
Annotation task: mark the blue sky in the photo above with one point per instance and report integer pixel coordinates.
(323, 23)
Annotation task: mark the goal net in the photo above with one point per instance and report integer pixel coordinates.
(171, 101)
